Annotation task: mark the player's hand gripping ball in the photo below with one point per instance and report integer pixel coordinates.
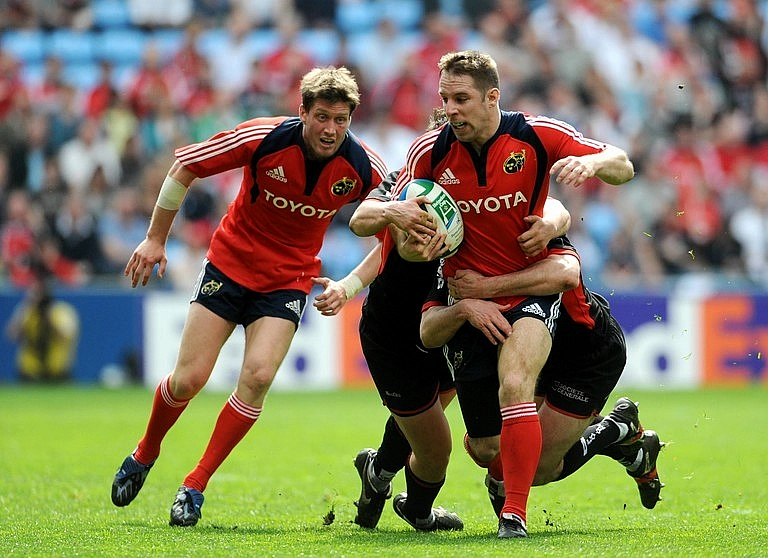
(443, 208)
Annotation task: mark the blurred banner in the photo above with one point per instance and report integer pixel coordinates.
(674, 341)
(312, 361)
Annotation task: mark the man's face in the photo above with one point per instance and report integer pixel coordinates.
(472, 115)
(325, 125)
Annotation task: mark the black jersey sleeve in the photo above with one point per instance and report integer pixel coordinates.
(382, 191)
(438, 295)
(561, 243)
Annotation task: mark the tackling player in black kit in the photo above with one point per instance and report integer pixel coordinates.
(413, 382)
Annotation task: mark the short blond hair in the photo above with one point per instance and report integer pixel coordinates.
(335, 85)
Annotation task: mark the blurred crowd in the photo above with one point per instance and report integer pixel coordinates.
(85, 143)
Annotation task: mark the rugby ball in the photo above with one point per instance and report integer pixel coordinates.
(442, 207)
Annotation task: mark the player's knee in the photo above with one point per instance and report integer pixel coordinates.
(434, 449)
(515, 388)
(185, 386)
(439, 459)
(256, 378)
(481, 450)
(430, 461)
(547, 472)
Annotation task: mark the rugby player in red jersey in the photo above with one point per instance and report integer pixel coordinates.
(497, 166)
(586, 361)
(297, 173)
(414, 383)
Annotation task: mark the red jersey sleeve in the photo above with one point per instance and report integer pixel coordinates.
(227, 150)
(560, 139)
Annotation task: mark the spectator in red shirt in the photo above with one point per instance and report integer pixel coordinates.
(18, 238)
(187, 66)
(284, 67)
(100, 96)
(697, 211)
(11, 86)
(148, 84)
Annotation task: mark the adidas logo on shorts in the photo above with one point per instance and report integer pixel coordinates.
(534, 309)
(294, 306)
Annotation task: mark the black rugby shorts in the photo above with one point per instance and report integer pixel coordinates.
(408, 377)
(584, 367)
(240, 305)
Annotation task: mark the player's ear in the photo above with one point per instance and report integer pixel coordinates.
(302, 113)
(493, 96)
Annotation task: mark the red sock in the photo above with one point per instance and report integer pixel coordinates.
(520, 452)
(166, 409)
(234, 422)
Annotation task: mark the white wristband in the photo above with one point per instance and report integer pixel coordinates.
(352, 285)
(172, 194)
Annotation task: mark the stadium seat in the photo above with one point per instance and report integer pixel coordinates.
(124, 76)
(362, 47)
(263, 41)
(82, 75)
(121, 46)
(70, 46)
(406, 14)
(212, 40)
(32, 73)
(472, 39)
(357, 17)
(322, 44)
(168, 41)
(108, 14)
(25, 45)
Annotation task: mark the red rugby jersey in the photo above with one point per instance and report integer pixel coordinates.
(274, 228)
(497, 188)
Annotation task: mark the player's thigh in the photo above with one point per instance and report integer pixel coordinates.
(521, 358)
(444, 377)
(447, 396)
(407, 379)
(201, 340)
(559, 432)
(267, 341)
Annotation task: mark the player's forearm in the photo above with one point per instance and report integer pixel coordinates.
(368, 268)
(160, 224)
(555, 274)
(613, 166)
(439, 324)
(557, 215)
(363, 274)
(369, 218)
(169, 200)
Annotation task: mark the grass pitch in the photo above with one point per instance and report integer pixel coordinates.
(288, 488)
